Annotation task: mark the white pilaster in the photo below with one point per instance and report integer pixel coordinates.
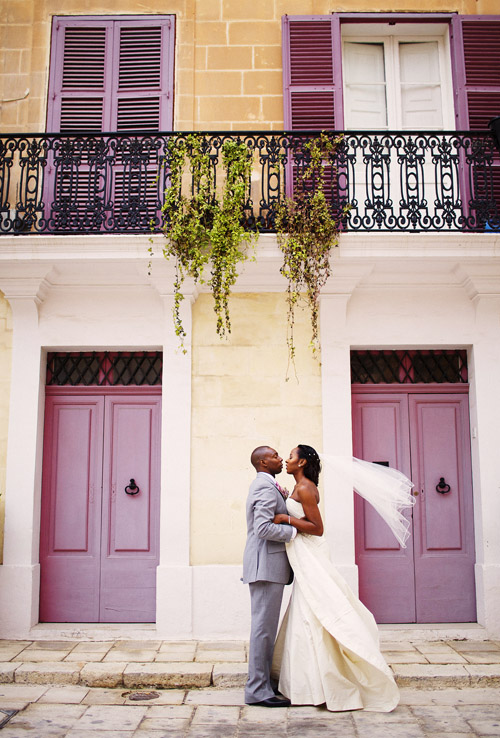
(174, 611)
(485, 401)
(20, 575)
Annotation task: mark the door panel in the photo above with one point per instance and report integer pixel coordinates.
(384, 567)
(129, 531)
(70, 517)
(443, 523)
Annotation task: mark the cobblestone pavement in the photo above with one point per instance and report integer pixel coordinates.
(189, 689)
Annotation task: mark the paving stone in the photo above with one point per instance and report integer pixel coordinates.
(159, 726)
(129, 655)
(30, 693)
(7, 654)
(480, 711)
(434, 647)
(64, 695)
(40, 656)
(255, 714)
(221, 645)
(103, 674)
(230, 675)
(213, 731)
(138, 645)
(401, 714)
(48, 673)
(484, 675)
(102, 696)
(474, 645)
(78, 733)
(52, 645)
(163, 656)
(211, 714)
(482, 657)
(9, 643)
(179, 674)
(93, 646)
(398, 730)
(485, 727)
(7, 670)
(444, 718)
(86, 656)
(396, 646)
(181, 645)
(216, 697)
(405, 657)
(435, 676)
(215, 656)
(44, 720)
(312, 728)
(477, 696)
(445, 658)
(111, 717)
(170, 711)
(176, 731)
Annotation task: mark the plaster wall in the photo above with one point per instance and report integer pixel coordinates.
(228, 55)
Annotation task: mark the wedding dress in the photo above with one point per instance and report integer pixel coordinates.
(327, 649)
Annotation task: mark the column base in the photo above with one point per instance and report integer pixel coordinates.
(19, 600)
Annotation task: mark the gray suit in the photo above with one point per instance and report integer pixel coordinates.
(266, 570)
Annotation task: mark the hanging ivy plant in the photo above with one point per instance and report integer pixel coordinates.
(307, 231)
(202, 228)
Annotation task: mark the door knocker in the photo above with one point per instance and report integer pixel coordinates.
(132, 488)
(442, 487)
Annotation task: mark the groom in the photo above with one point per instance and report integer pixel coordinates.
(266, 570)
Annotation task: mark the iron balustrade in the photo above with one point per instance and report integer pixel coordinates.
(375, 181)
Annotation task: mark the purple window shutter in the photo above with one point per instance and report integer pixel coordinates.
(476, 69)
(109, 74)
(312, 73)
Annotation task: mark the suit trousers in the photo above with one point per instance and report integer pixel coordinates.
(265, 599)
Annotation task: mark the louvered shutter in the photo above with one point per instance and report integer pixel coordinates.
(312, 73)
(111, 74)
(476, 67)
(476, 62)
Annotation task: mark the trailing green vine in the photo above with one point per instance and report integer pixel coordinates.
(201, 228)
(307, 231)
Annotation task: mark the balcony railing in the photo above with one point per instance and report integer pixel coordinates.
(375, 181)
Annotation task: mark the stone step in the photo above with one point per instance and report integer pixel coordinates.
(188, 675)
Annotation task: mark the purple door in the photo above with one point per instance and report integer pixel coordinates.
(98, 543)
(425, 435)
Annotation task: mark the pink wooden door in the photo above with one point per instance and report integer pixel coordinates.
(99, 545)
(71, 509)
(426, 436)
(130, 521)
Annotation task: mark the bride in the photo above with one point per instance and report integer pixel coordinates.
(327, 649)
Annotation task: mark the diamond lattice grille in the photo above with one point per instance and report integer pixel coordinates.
(409, 367)
(104, 368)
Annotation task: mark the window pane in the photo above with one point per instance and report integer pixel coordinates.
(365, 92)
(421, 99)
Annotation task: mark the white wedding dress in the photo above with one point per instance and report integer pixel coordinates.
(327, 650)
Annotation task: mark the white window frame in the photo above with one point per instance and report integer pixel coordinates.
(390, 36)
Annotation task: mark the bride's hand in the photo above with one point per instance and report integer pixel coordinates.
(278, 519)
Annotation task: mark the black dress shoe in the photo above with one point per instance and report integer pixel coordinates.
(273, 702)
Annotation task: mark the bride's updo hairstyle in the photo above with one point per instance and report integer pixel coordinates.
(313, 466)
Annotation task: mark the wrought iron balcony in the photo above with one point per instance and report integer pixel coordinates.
(376, 181)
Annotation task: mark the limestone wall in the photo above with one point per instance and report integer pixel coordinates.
(227, 56)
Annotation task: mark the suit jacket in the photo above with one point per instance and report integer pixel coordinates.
(265, 556)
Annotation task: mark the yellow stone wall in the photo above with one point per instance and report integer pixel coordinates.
(5, 362)
(228, 54)
(241, 400)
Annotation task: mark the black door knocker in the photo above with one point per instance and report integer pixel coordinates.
(442, 487)
(132, 488)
